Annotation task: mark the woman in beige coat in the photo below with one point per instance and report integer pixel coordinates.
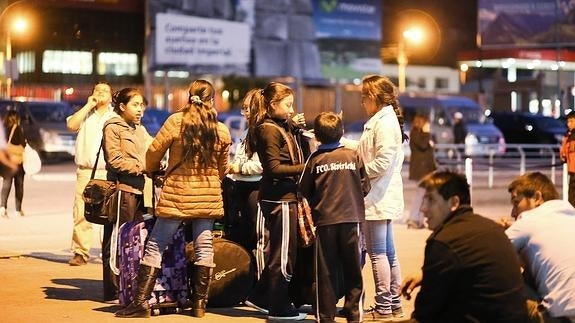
(198, 159)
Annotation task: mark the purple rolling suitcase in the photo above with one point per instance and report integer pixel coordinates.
(170, 294)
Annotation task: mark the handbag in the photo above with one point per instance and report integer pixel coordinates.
(7, 166)
(305, 224)
(32, 162)
(99, 196)
(306, 227)
(16, 152)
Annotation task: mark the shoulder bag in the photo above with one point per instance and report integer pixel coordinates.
(16, 151)
(306, 227)
(99, 197)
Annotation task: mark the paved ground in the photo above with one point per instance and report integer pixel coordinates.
(37, 285)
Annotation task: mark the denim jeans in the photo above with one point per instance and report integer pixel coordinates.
(384, 263)
(163, 233)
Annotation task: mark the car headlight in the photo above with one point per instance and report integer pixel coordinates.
(559, 138)
(49, 137)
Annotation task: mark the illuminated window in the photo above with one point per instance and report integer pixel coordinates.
(67, 62)
(117, 64)
(26, 62)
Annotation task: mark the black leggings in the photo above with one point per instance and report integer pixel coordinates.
(18, 179)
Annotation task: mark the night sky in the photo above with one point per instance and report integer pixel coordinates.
(455, 29)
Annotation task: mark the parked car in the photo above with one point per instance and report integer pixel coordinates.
(44, 125)
(527, 128)
(153, 120)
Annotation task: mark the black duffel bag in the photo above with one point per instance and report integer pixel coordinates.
(233, 277)
(99, 201)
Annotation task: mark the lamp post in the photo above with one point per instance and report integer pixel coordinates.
(414, 36)
(17, 24)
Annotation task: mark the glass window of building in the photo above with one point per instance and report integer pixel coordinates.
(67, 62)
(26, 62)
(117, 64)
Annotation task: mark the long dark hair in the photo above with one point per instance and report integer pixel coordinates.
(256, 115)
(200, 124)
(11, 118)
(383, 92)
(262, 103)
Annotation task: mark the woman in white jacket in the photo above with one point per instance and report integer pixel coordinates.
(381, 148)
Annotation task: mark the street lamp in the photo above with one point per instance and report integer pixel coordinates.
(413, 35)
(17, 25)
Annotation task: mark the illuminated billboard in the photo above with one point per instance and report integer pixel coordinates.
(526, 23)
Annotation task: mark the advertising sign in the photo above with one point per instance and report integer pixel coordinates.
(353, 19)
(189, 40)
(526, 23)
(349, 36)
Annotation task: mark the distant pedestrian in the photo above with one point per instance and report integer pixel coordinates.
(7, 166)
(336, 200)
(15, 146)
(88, 122)
(421, 162)
(459, 131)
(568, 154)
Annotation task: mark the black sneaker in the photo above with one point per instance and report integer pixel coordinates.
(289, 314)
(345, 314)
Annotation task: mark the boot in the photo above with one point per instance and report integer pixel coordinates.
(139, 307)
(201, 282)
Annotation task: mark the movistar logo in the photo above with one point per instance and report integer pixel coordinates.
(328, 5)
(348, 7)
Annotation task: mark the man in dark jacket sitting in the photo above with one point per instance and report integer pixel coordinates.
(471, 272)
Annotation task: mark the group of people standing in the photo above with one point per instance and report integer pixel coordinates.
(370, 167)
(272, 153)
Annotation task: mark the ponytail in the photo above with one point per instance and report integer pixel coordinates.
(401, 120)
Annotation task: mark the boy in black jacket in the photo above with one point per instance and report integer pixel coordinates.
(335, 182)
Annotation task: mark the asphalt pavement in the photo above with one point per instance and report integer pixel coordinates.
(37, 284)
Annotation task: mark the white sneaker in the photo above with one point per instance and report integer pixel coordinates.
(293, 317)
(4, 212)
(254, 306)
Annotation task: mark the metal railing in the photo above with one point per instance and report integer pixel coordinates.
(516, 160)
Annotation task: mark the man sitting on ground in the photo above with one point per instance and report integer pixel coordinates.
(543, 235)
(470, 271)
